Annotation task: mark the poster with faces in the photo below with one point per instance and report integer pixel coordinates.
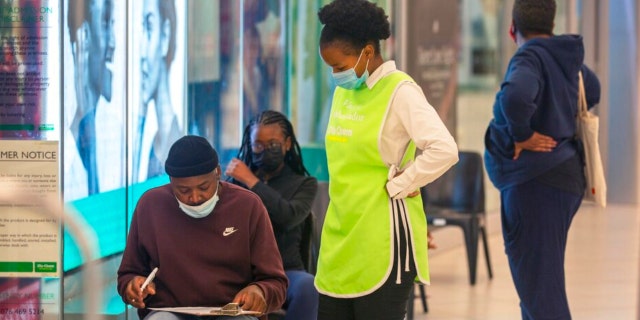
(158, 79)
(94, 53)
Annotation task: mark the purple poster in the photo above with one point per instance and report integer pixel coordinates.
(28, 80)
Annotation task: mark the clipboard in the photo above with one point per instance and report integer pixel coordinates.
(230, 309)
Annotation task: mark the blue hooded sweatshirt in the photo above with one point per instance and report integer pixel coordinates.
(539, 93)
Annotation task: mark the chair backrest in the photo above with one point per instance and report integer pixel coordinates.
(306, 242)
(319, 209)
(461, 188)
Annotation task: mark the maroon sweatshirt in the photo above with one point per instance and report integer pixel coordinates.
(206, 261)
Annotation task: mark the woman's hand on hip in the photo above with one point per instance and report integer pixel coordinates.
(537, 143)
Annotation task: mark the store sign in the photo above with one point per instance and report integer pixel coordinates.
(432, 51)
(28, 45)
(29, 219)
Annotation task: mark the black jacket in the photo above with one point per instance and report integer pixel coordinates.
(288, 198)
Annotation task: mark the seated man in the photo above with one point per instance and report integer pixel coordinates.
(211, 241)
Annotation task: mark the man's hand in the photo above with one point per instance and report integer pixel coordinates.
(134, 296)
(251, 298)
(239, 171)
(537, 142)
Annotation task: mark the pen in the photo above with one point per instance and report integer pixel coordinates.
(149, 279)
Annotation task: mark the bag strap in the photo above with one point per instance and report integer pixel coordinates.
(582, 112)
(582, 99)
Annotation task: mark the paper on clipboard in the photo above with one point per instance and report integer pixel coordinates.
(230, 309)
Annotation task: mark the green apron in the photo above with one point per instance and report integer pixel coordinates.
(358, 235)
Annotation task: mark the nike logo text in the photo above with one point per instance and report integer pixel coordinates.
(229, 231)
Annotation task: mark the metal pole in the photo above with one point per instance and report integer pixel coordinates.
(52, 207)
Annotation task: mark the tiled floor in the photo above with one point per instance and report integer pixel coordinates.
(601, 266)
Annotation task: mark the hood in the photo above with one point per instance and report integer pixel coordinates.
(566, 50)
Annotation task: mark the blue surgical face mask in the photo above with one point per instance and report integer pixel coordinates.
(202, 210)
(348, 79)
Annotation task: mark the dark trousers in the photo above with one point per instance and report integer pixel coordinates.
(389, 302)
(535, 223)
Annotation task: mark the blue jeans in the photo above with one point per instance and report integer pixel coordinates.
(164, 315)
(302, 296)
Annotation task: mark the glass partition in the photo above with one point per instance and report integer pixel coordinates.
(136, 75)
(133, 84)
(94, 99)
(485, 52)
(30, 231)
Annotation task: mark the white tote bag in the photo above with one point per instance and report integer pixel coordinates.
(587, 132)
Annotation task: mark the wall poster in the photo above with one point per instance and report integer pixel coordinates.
(432, 53)
(30, 230)
(29, 127)
(158, 74)
(29, 239)
(29, 81)
(94, 53)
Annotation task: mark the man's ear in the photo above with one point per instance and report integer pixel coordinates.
(513, 31)
(83, 36)
(86, 33)
(166, 37)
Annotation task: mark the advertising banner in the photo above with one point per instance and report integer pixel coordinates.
(28, 82)
(158, 77)
(432, 52)
(30, 230)
(29, 238)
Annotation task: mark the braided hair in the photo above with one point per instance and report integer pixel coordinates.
(293, 157)
(354, 23)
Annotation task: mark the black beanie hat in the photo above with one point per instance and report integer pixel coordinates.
(191, 156)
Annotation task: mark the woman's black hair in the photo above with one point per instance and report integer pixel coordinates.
(534, 16)
(354, 22)
(293, 157)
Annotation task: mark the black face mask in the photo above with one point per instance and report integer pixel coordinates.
(268, 160)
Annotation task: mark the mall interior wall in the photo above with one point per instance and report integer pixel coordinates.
(230, 55)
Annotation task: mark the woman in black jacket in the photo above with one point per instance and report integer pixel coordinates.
(269, 163)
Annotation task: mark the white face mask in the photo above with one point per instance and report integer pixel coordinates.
(202, 210)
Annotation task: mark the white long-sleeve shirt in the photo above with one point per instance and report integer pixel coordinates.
(411, 117)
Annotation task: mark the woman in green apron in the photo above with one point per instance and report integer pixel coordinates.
(383, 142)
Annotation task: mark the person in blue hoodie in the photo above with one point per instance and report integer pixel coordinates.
(533, 158)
